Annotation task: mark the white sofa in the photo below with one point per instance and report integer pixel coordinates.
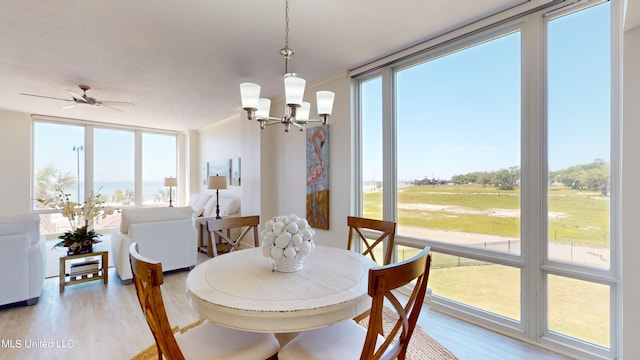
(22, 259)
(164, 234)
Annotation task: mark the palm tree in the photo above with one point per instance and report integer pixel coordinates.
(49, 180)
(161, 196)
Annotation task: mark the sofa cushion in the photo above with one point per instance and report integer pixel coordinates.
(202, 201)
(144, 215)
(193, 200)
(229, 206)
(210, 208)
(21, 224)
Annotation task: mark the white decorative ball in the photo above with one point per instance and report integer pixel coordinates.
(292, 228)
(283, 240)
(276, 252)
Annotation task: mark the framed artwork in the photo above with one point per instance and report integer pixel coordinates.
(235, 172)
(205, 173)
(318, 177)
(221, 168)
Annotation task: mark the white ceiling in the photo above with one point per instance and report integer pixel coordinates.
(181, 62)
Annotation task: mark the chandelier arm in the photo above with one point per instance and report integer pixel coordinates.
(270, 119)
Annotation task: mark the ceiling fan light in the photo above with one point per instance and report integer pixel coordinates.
(294, 89)
(325, 102)
(250, 94)
(303, 113)
(264, 108)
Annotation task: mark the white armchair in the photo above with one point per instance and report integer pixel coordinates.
(163, 234)
(22, 259)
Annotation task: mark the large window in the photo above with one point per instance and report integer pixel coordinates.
(500, 153)
(79, 158)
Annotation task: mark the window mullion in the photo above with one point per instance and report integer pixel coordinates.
(389, 170)
(534, 174)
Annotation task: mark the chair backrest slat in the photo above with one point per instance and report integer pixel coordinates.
(382, 281)
(386, 231)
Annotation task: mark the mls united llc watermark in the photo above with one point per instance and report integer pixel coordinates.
(36, 344)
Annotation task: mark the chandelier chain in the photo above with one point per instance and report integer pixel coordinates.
(286, 24)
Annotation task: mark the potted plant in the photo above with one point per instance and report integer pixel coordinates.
(80, 239)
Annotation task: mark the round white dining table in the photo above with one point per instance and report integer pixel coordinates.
(239, 290)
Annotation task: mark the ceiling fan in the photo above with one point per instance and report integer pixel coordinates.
(85, 99)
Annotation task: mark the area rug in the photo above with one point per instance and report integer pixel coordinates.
(421, 346)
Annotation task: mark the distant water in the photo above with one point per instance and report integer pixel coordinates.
(149, 188)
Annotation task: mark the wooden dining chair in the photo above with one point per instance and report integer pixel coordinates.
(205, 341)
(348, 340)
(384, 230)
(222, 230)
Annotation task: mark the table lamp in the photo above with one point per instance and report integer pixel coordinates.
(217, 182)
(170, 182)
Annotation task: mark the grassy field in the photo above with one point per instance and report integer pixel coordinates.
(576, 308)
(577, 217)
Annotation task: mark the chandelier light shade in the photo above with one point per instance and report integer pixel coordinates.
(250, 95)
(294, 89)
(296, 110)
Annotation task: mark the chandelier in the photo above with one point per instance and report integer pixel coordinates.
(296, 110)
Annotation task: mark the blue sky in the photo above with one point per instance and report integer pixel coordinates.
(114, 152)
(461, 113)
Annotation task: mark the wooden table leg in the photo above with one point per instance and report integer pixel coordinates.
(62, 273)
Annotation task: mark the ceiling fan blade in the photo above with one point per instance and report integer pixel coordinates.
(108, 107)
(69, 106)
(119, 103)
(46, 97)
(74, 94)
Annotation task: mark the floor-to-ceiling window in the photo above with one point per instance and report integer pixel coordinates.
(117, 162)
(503, 161)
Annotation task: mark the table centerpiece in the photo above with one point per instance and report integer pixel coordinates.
(287, 239)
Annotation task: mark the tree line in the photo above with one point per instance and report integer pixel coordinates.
(593, 176)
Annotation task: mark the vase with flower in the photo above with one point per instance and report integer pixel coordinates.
(80, 239)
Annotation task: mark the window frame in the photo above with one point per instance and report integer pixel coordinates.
(89, 127)
(532, 25)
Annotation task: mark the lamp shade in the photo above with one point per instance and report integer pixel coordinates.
(264, 108)
(325, 102)
(294, 89)
(303, 112)
(217, 182)
(250, 94)
(170, 181)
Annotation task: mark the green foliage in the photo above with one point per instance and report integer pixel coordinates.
(49, 180)
(80, 237)
(593, 176)
(504, 179)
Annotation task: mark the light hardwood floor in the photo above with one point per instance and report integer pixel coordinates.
(94, 321)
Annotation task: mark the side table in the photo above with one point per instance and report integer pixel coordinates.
(83, 276)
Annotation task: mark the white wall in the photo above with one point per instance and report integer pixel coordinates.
(15, 163)
(631, 197)
(221, 141)
(285, 163)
